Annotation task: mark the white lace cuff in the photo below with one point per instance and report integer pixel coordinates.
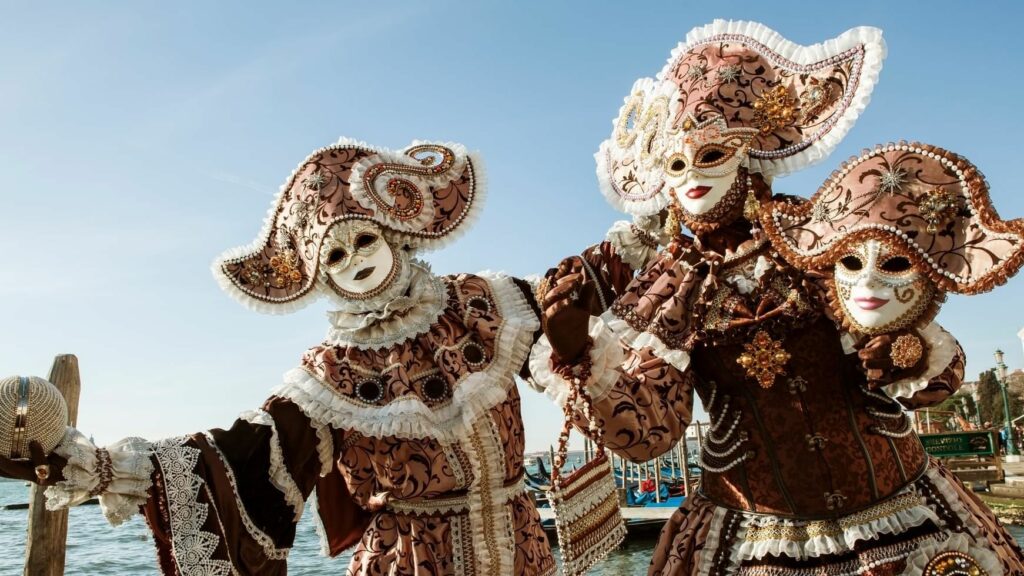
(942, 349)
(678, 359)
(634, 243)
(606, 357)
(119, 474)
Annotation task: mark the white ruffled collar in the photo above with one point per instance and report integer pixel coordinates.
(397, 320)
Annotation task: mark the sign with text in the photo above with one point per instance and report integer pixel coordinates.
(956, 444)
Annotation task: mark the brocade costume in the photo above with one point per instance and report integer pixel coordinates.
(404, 424)
(807, 469)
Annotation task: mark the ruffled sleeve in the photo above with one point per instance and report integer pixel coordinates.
(225, 501)
(606, 355)
(642, 391)
(636, 243)
(118, 474)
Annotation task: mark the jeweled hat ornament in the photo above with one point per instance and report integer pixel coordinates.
(785, 106)
(926, 202)
(424, 196)
(31, 409)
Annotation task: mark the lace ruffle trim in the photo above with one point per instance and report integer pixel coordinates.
(475, 394)
(606, 357)
(679, 359)
(629, 245)
(400, 319)
(762, 536)
(192, 547)
(324, 447)
(131, 470)
(942, 349)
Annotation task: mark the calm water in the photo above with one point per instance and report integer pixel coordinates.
(96, 549)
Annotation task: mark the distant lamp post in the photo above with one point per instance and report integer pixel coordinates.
(1011, 444)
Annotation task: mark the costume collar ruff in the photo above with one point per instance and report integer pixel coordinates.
(395, 321)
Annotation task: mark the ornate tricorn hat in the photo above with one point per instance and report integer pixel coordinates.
(930, 200)
(800, 100)
(425, 195)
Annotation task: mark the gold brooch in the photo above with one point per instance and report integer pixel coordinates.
(286, 268)
(906, 351)
(774, 110)
(764, 359)
(814, 98)
(937, 206)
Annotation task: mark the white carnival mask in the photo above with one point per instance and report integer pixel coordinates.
(702, 162)
(879, 289)
(357, 259)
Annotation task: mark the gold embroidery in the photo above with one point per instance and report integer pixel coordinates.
(813, 99)
(831, 528)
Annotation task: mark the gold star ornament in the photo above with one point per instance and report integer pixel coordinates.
(764, 359)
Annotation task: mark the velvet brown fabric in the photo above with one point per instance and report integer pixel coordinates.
(789, 473)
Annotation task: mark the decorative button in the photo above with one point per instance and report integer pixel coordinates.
(953, 563)
(474, 354)
(479, 303)
(835, 500)
(370, 390)
(435, 389)
(815, 441)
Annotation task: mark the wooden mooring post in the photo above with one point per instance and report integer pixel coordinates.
(684, 458)
(48, 531)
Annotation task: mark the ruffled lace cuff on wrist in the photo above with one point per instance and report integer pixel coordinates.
(606, 356)
(633, 242)
(120, 475)
(942, 349)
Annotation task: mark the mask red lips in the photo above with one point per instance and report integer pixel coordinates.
(870, 303)
(697, 192)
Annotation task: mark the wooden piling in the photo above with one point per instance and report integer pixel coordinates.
(48, 531)
(684, 458)
(657, 479)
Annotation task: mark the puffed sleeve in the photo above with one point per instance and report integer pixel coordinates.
(218, 502)
(611, 264)
(642, 395)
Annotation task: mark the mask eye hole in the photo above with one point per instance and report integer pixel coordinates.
(852, 263)
(896, 264)
(676, 164)
(364, 240)
(711, 156)
(334, 256)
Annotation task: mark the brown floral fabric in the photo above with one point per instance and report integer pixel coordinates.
(811, 443)
(448, 500)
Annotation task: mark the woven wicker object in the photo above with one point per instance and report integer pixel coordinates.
(30, 409)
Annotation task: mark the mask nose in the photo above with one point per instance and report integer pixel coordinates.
(869, 279)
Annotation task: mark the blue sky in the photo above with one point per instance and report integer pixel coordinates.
(139, 140)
